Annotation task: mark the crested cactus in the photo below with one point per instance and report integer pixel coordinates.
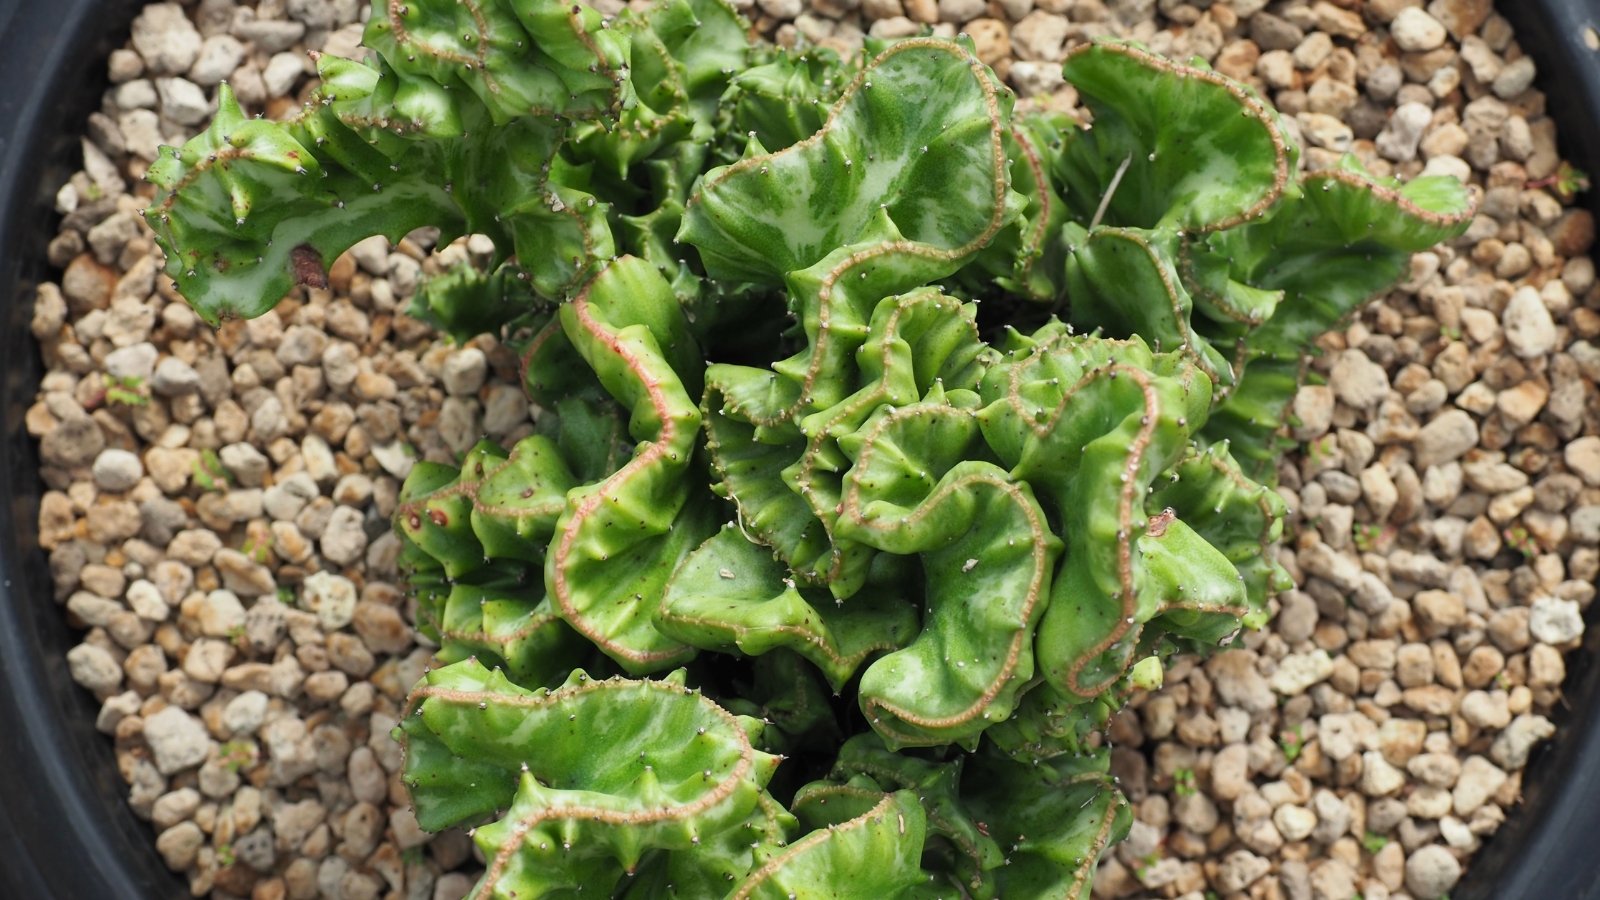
(887, 439)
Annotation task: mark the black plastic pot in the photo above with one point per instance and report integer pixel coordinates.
(65, 828)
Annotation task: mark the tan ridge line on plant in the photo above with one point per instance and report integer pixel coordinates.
(967, 847)
(658, 121)
(1167, 606)
(1390, 195)
(913, 248)
(470, 489)
(382, 123)
(576, 22)
(402, 38)
(321, 97)
(1033, 243)
(834, 790)
(1187, 348)
(1253, 108)
(716, 794)
(773, 865)
(546, 509)
(814, 443)
(461, 486)
(1218, 299)
(1130, 474)
(586, 507)
(217, 157)
(719, 469)
(849, 508)
(570, 211)
(535, 344)
(1241, 357)
(1247, 486)
(1096, 847)
(1002, 178)
(533, 623)
(809, 637)
(849, 92)
(770, 810)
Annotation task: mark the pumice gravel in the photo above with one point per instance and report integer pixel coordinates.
(219, 501)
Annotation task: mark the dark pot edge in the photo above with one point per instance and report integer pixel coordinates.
(1539, 852)
(66, 827)
(1545, 847)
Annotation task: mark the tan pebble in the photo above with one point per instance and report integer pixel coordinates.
(991, 38)
(326, 686)
(1446, 665)
(1431, 699)
(1414, 665)
(1040, 36)
(371, 386)
(1483, 663)
(1401, 739)
(207, 659)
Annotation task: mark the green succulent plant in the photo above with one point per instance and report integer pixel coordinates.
(888, 439)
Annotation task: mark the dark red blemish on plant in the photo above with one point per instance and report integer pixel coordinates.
(306, 263)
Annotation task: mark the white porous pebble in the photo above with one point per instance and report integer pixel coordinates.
(182, 101)
(1358, 381)
(1515, 78)
(1379, 778)
(345, 537)
(177, 740)
(960, 11)
(1295, 823)
(1431, 872)
(1444, 439)
(244, 713)
(395, 458)
(1530, 330)
(1479, 781)
(219, 55)
(1511, 748)
(1416, 31)
(1555, 621)
(282, 71)
(1399, 138)
(284, 500)
(464, 371)
(135, 362)
(117, 470)
(1582, 456)
(332, 598)
(780, 9)
(319, 461)
(94, 667)
(1041, 36)
(145, 599)
(165, 38)
(219, 613)
(1298, 672)
(248, 465)
(173, 377)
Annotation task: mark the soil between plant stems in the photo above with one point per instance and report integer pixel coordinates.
(218, 501)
